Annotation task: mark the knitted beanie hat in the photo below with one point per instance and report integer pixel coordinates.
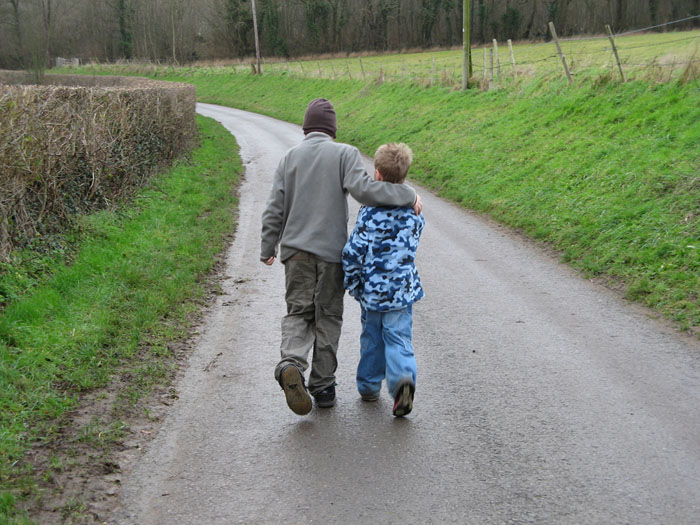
(320, 116)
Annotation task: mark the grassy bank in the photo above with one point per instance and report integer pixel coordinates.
(643, 56)
(606, 173)
(134, 281)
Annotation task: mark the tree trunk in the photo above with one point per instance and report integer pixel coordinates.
(18, 32)
(125, 31)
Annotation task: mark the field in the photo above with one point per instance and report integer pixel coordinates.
(648, 56)
(637, 52)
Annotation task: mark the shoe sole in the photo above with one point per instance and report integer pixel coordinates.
(298, 399)
(369, 398)
(325, 404)
(404, 400)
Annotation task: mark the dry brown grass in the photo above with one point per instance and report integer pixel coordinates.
(82, 143)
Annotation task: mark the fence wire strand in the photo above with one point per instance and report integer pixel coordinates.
(662, 43)
(659, 25)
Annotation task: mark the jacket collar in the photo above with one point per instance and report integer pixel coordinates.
(317, 136)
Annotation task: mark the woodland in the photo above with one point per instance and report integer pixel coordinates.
(34, 32)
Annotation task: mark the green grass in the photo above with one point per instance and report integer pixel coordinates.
(669, 52)
(607, 173)
(532, 60)
(133, 282)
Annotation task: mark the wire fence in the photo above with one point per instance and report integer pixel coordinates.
(634, 53)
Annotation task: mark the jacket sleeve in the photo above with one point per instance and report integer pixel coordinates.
(273, 216)
(368, 191)
(354, 255)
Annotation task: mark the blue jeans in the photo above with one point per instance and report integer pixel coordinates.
(386, 351)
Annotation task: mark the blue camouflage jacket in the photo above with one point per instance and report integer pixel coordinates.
(379, 258)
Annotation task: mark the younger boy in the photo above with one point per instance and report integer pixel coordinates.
(380, 272)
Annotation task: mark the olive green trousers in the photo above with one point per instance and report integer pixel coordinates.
(314, 296)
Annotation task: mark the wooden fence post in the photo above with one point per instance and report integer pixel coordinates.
(486, 68)
(362, 68)
(432, 73)
(303, 72)
(403, 70)
(320, 74)
(614, 48)
(553, 30)
(512, 61)
(381, 73)
(498, 61)
(491, 69)
(333, 70)
(347, 68)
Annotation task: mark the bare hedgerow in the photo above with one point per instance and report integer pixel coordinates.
(82, 145)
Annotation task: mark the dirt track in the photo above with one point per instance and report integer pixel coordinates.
(542, 398)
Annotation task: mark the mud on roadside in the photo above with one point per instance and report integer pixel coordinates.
(78, 470)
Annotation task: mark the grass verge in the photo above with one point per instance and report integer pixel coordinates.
(606, 173)
(134, 280)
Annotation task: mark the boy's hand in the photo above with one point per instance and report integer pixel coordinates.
(270, 261)
(418, 205)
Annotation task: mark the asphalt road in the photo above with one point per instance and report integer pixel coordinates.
(541, 397)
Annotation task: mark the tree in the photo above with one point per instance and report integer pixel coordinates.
(126, 35)
(511, 20)
(33, 31)
(430, 10)
(240, 27)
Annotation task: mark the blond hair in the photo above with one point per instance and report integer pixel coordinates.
(392, 161)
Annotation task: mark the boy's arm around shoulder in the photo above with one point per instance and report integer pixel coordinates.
(273, 217)
(370, 192)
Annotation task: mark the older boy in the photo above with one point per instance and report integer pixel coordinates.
(306, 216)
(380, 272)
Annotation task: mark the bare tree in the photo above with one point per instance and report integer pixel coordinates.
(34, 31)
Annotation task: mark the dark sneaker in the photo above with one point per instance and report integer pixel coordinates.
(403, 404)
(326, 397)
(370, 398)
(298, 398)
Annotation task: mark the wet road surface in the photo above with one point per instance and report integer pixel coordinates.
(541, 398)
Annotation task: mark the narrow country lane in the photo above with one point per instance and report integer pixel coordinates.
(541, 397)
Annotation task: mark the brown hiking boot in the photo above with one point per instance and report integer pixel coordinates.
(298, 398)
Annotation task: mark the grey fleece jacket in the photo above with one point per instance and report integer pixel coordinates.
(308, 209)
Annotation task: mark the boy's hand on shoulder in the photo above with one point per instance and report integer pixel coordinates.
(269, 261)
(418, 205)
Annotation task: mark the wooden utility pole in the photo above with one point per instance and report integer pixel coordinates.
(614, 48)
(255, 30)
(561, 54)
(466, 44)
